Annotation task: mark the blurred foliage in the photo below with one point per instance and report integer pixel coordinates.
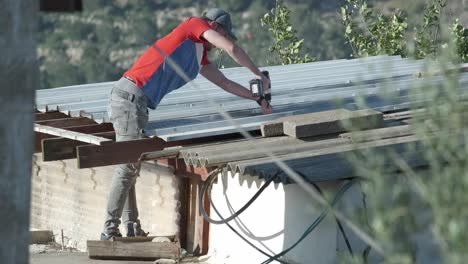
(370, 32)
(103, 41)
(460, 35)
(285, 42)
(416, 193)
(428, 40)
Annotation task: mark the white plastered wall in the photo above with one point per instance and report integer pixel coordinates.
(276, 220)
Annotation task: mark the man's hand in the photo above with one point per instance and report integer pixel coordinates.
(266, 107)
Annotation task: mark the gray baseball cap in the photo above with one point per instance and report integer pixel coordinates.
(221, 17)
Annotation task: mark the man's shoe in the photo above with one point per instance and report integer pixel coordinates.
(105, 236)
(134, 229)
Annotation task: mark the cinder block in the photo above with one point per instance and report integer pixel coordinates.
(276, 127)
(331, 122)
(272, 129)
(314, 124)
(366, 119)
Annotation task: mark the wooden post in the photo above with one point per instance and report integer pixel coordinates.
(193, 229)
(198, 227)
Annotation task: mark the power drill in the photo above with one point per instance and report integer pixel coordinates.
(257, 89)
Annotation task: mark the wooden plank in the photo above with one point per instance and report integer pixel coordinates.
(378, 134)
(49, 116)
(117, 152)
(92, 128)
(87, 138)
(130, 155)
(88, 129)
(205, 232)
(67, 122)
(199, 232)
(183, 199)
(144, 239)
(122, 250)
(40, 236)
(64, 148)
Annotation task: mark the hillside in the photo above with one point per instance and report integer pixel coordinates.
(104, 40)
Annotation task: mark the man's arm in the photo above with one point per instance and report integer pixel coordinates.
(236, 53)
(214, 75)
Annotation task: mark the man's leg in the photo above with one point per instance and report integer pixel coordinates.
(122, 181)
(129, 116)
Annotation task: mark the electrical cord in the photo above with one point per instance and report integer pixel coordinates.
(317, 221)
(338, 222)
(209, 182)
(208, 185)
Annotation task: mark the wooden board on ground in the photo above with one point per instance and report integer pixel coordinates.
(129, 250)
(40, 236)
(144, 239)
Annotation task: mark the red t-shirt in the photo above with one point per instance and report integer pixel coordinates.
(184, 45)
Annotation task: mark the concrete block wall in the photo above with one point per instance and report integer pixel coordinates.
(66, 198)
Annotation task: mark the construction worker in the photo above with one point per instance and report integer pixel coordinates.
(149, 79)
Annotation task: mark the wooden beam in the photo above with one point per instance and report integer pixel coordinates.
(67, 122)
(194, 229)
(117, 152)
(38, 137)
(71, 134)
(90, 129)
(64, 148)
(124, 250)
(92, 156)
(198, 227)
(378, 134)
(183, 199)
(205, 226)
(49, 116)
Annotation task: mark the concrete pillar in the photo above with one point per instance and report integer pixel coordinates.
(18, 79)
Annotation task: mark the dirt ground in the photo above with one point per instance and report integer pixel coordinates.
(53, 254)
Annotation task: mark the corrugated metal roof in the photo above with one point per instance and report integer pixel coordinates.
(300, 88)
(296, 89)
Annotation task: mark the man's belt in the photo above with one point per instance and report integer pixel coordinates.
(130, 79)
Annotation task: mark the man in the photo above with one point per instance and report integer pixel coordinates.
(149, 80)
